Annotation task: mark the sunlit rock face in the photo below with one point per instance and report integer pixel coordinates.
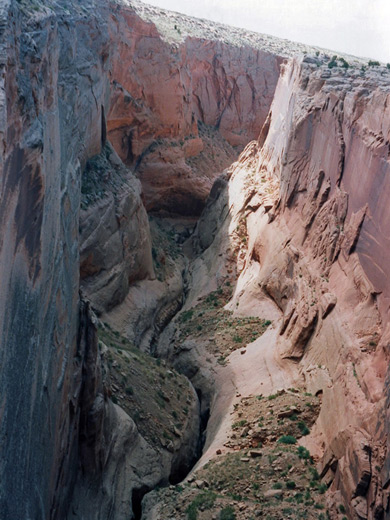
(331, 156)
(314, 190)
(163, 88)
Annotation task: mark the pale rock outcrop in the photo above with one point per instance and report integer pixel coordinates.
(115, 244)
(319, 257)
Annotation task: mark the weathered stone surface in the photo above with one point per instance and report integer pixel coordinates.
(115, 244)
(307, 259)
(272, 493)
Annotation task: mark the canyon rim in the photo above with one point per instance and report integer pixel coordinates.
(194, 270)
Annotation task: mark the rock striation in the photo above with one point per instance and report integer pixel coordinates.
(60, 88)
(115, 245)
(331, 158)
(311, 246)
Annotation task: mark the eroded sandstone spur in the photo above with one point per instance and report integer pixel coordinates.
(194, 270)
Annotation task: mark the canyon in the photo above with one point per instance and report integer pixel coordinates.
(194, 252)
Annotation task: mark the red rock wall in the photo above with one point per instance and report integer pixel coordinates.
(161, 91)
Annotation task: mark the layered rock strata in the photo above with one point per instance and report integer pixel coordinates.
(168, 86)
(57, 64)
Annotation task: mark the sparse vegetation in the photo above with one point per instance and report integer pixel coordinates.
(224, 332)
(204, 500)
(130, 377)
(267, 482)
(287, 439)
(303, 428)
(227, 513)
(239, 424)
(333, 62)
(303, 453)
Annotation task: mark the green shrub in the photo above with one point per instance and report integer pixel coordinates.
(186, 316)
(227, 513)
(277, 485)
(303, 453)
(303, 428)
(129, 390)
(287, 439)
(373, 63)
(205, 500)
(322, 488)
(298, 498)
(239, 424)
(290, 484)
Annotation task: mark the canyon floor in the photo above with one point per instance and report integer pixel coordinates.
(254, 462)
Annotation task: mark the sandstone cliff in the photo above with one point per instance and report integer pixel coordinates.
(59, 85)
(298, 222)
(330, 154)
(295, 232)
(174, 79)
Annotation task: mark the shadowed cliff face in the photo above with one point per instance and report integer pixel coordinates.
(52, 93)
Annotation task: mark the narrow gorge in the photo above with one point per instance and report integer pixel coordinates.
(194, 263)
